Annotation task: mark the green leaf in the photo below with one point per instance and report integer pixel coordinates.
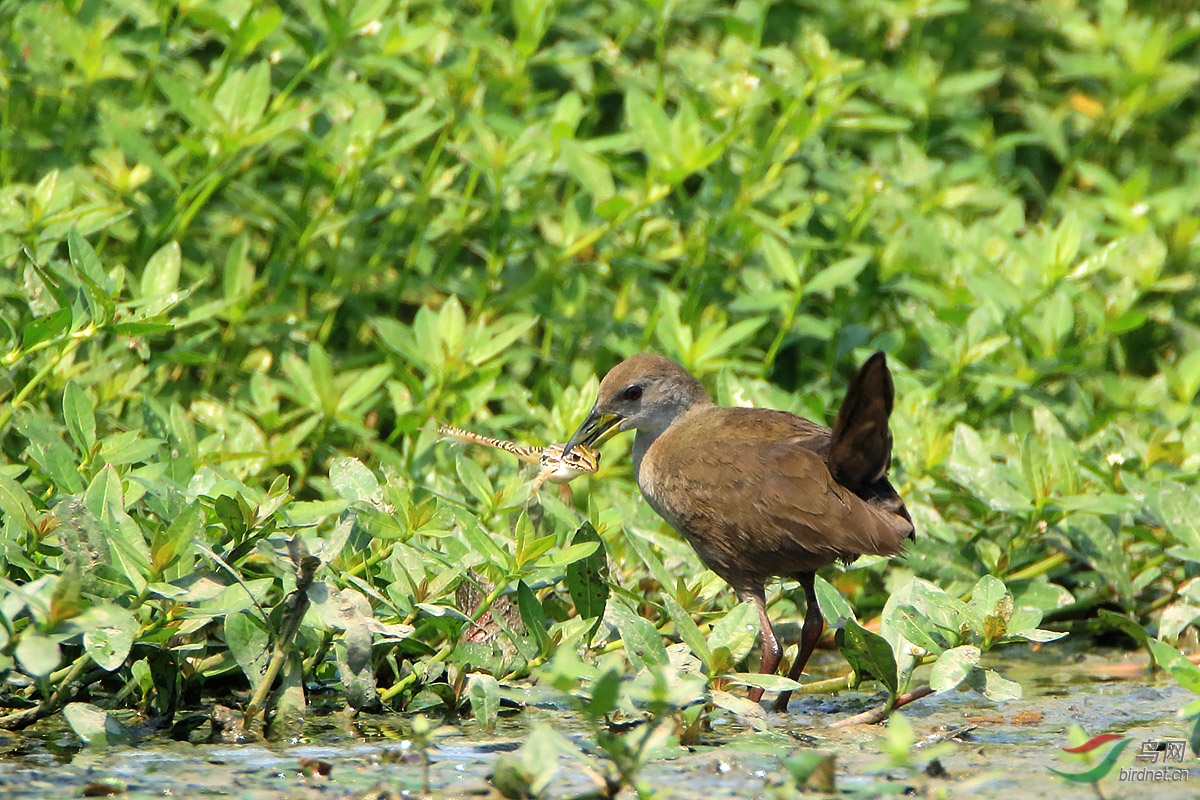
(97, 727)
(587, 578)
(653, 564)
(688, 631)
(85, 261)
(869, 655)
(747, 710)
(161, 274)
(643, 644)
(110, 637)
(80, 418)
(353, 481)
(104, 493)
(170, 544)
(475, 481)
(138, 148)
(834, 607)
(779, 260)
(918, 629)
(1126, 625)
(362, 387)
(249, 642)
(498, 338)
(484, 692)
(288, 702)
(452, 326)
(967, 83)
(735, 632)
(839, 275)
(1177, 664)
(400, 339)
(529, 546)
(1037, 635)
(38, 655)
(232, 511)
(812, 770)
(1042, 595)
(533, 616)
(45, 328)
(16, 503)
(971, 465)
(533, 18)
(651, 127)
(321, 369)
(989, 598)
(127, 447)
(771, 683)
(56, 458)
(561, 558)
(592, 173)
(994, 686)
(711, 344)
(603, 699)
(953, 667)
(243, 96)
(482, 542)
(142, 328)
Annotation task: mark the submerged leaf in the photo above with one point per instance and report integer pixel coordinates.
(96, 726)
(484, 692)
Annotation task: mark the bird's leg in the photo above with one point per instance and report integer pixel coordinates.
(772, 653)
(814, 626)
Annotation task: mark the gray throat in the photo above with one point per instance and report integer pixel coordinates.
(641, 443)
(649, 431)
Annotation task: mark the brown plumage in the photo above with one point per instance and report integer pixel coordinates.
(759, 493)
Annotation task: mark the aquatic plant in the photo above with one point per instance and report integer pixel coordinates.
(256, 252)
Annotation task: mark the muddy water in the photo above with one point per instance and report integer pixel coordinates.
(983, 750)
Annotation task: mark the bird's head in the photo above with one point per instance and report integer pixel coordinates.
(645, 393)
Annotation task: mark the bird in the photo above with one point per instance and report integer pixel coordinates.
(759, 493)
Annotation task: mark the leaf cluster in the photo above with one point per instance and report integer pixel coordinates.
(252, 252)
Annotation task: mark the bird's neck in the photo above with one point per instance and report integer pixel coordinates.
(649, 430)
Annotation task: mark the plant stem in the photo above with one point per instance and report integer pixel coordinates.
(828, 685)
(295, 607)
(28, 716)
(876, 715)
(41, 375)
(1039, 568)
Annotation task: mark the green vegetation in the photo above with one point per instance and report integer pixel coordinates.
(252, 252)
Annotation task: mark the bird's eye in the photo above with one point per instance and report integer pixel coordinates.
(632, 393)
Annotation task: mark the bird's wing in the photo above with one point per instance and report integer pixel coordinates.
(750, 489)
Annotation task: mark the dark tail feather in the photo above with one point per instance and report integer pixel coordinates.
(862, 443)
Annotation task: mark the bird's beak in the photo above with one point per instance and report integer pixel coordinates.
(595, 426)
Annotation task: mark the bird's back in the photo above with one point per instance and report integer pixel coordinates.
(752, 491)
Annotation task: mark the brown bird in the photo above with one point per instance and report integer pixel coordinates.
(759, 493)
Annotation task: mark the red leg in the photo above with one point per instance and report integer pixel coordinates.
(772, 653)
(814, 626)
